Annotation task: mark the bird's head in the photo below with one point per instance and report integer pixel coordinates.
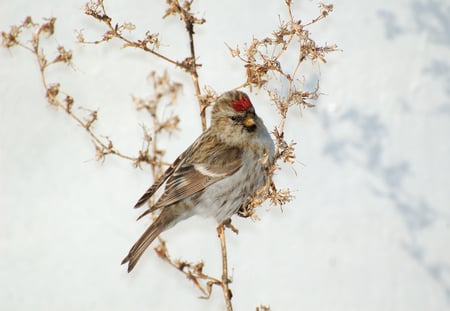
(234, 113)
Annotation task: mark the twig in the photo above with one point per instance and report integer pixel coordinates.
(150, 43)
(97, 10)
(192, 271)
(260, 65)
(225, 279)
(103, 145)
(262, 59)
(184, 11)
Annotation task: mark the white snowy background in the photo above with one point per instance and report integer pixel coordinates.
(369, 228)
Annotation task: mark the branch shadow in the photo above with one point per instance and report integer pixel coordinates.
(432, 19)
(358, 137)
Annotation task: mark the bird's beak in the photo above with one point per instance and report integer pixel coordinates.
(249, 122)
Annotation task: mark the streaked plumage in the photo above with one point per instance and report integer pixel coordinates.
(216, 175)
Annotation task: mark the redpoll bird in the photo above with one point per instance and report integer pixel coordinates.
(216, 175)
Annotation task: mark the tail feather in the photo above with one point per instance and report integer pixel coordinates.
(168, 217)
(148, 211)
(142, 244)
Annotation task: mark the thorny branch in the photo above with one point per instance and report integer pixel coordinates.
(151, 42)
(265, 61)
(192, 271)
(185, 14)
(163, 88)
(55, 97)
(225, 278)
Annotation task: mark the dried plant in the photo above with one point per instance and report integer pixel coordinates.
(262, 308)
(266, 67)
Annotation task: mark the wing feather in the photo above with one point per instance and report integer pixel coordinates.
(192, 172)
(169, 171)
(190, 179)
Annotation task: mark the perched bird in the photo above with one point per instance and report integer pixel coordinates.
(216, 175)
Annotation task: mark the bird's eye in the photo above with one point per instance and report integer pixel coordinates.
(235, 118)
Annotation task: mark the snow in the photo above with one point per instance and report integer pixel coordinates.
(369, 228)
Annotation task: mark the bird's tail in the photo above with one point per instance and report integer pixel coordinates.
(143, 243)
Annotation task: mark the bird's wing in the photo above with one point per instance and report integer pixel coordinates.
(191, 178)
(161, 180)
(171, 169)
(191, 172)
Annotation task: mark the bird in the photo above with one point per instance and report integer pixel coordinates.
(216, 175)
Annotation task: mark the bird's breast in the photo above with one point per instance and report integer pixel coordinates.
(224, 198)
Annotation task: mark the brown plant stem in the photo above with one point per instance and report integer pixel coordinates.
(189, 64)
(263, 61)
(114, 30)
(225, 280)
(52, 92)
(189, 22)
(194, 75)
(192, 271)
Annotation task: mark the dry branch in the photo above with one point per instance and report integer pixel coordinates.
(263, 62)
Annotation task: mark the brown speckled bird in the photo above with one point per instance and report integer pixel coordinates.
(216, 175)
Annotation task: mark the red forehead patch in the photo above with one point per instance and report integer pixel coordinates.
(241, 104)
